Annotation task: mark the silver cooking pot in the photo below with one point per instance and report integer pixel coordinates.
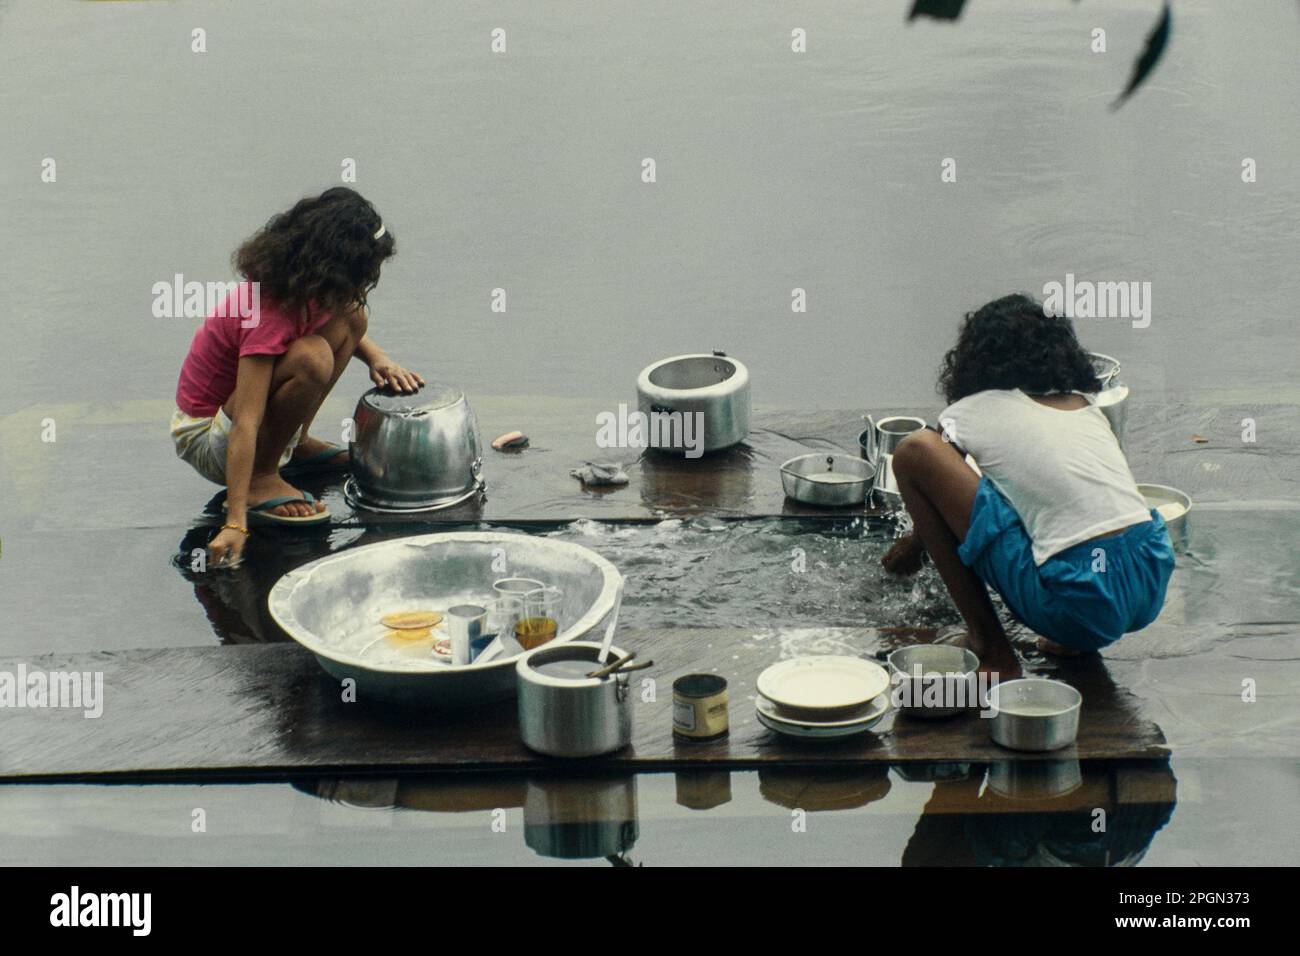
(827, 480)
(566, 716)
(414, 452)
(1034, 713)
(711, 384)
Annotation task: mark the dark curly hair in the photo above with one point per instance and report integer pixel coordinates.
(1011, 343)
(322, 251)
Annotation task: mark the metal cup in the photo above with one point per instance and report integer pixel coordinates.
(464, 626)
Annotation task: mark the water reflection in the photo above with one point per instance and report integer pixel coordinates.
(1044, 813)
(1001, 813)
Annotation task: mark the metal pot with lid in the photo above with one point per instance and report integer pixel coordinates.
(414, 452)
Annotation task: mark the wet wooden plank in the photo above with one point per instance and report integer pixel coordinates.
(534, 484)
(247, 711)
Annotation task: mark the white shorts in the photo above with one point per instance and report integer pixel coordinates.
(201, 442)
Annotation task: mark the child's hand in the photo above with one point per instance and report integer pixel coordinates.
(225, 549)
(904, 558)
(386, 373)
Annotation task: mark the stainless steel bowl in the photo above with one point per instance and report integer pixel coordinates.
(711, 384)
(827, 480)
(414, 452)
(567, 717)
(1034, 713)
(332, 607)
(1162, 496)
(924, 672)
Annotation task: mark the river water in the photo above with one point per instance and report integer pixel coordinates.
(521, 171)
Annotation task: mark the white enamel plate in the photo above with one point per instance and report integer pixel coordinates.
(822, 687)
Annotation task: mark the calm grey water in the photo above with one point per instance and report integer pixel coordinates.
(776, 171)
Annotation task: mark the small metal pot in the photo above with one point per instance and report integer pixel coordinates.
(1113, 403)
(1034, 713)
(572, 716)
(831, 481)
(414, 452)
(1158, 496)
(712, 384)
(1106, 368)
(952, 668)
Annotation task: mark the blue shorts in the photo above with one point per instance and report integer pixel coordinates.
(1064, 599)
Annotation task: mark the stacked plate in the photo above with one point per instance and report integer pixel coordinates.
(822, 698)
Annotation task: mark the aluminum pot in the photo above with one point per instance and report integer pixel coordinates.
(922, 671)
(711, 384)
(564, 716)
(414, 452)
(1106, 368)
(827, 480)
(1175, 507)
(1034, 713)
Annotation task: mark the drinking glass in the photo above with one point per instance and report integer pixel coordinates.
(503, 614)
(541, 620)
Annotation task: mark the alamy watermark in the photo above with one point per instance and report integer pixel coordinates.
(920, 689)
(37, 689)
(75, 908)
(197, 300)
(659, 428)
(1084, 299)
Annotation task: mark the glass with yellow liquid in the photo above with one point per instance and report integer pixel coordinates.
(541, 620)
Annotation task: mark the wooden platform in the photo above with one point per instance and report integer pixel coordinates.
(247, 712)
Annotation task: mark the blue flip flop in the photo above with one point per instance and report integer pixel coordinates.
(319, 463)
(260, 513)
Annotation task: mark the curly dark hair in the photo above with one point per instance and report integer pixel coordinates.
(322, 251)
(1011, 343)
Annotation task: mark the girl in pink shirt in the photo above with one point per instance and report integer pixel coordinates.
(261, 364)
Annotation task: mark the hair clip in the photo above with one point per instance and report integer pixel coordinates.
(381, 231)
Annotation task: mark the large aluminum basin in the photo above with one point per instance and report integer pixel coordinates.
(332, 607)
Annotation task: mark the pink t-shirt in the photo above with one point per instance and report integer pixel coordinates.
(239, 326)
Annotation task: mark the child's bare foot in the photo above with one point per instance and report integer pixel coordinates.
(264, 487)
(1051, 647)
(310, 446)
(904, 558)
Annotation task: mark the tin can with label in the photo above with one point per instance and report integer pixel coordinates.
(464, 626)
(700, 707)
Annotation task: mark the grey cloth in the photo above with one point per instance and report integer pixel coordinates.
(597, 473)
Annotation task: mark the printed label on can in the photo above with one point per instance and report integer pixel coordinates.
(683, 716)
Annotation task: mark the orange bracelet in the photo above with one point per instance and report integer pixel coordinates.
(234, 527)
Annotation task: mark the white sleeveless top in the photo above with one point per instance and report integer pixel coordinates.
(1062, 471)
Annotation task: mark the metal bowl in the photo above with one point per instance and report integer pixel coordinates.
(1034, 713)
(1171, 499)
(827, 480)
(1106, 368)
(712, 384)
(414, 452)
(944, 670)
(332, 607)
